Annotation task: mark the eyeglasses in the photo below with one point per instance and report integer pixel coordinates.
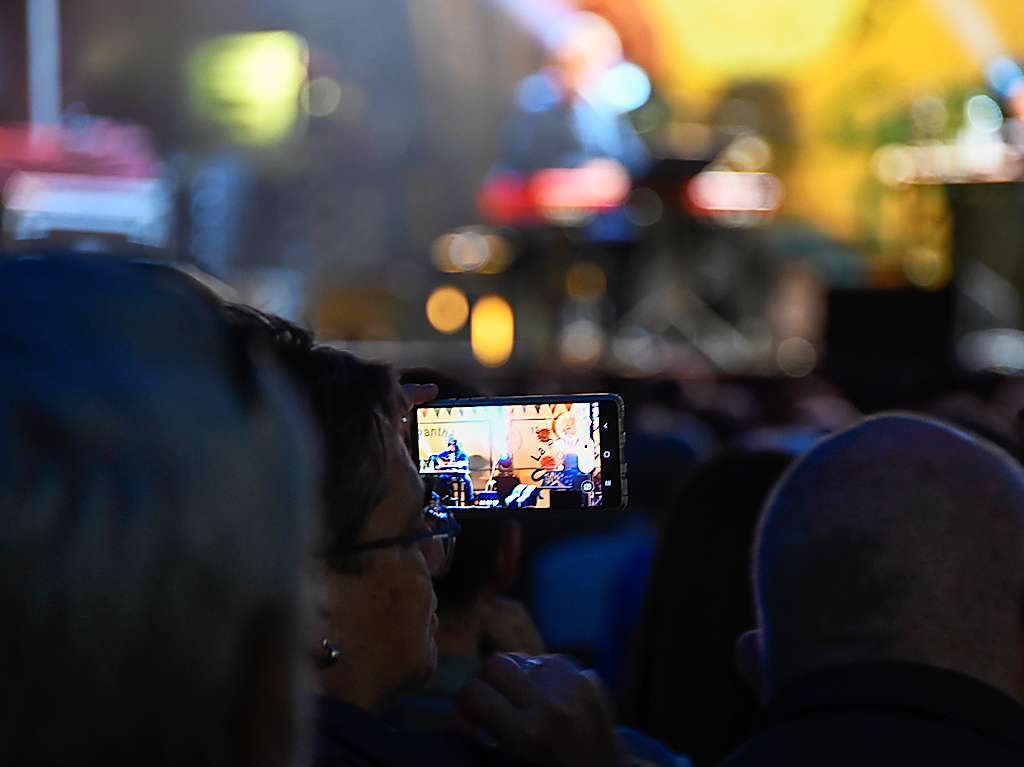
(437, 542)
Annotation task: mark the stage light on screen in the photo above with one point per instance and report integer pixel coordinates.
(492, 331)
(250, 84)
(447, 309)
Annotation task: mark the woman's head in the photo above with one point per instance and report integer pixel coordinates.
(152, 483)
(378, 605)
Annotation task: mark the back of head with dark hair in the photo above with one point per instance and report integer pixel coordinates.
(475, 568)
(355, 405)
(152, 484)
(685, 688)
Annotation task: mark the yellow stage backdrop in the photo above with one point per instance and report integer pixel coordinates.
(850, 71)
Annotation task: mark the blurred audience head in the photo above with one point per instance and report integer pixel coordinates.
(701, 577)
(487, 563)
(899, 539)
(153, 479)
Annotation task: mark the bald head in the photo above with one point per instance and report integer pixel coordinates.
(900, 538)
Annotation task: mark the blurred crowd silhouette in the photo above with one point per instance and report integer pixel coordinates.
(217, 549)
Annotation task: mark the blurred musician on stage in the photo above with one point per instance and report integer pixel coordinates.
(564, 117)
(569, 142)
(455, 464)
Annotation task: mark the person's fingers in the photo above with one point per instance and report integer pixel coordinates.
(483, 706)
(563, 665)
(417, 394)
(507, 675)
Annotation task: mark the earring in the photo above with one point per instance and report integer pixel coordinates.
(329, 656)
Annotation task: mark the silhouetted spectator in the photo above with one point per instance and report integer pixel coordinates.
(684, 687)
(154, 482)
(888, 583)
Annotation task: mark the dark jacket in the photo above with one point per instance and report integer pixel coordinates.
(347, 736)
(873, 715)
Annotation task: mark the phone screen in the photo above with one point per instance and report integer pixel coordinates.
(523, 452)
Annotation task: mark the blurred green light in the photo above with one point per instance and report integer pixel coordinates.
(250, 84)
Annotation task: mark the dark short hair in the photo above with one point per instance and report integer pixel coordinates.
(356, 406)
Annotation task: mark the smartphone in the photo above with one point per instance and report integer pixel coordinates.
(498, 454)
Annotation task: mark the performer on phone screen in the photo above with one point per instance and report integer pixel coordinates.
(455, 460)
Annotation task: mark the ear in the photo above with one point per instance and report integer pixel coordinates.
(749, 661)
(510, 553)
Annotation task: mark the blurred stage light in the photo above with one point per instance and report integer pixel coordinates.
(572, 195)
(748, 153)
(796, 357)
(321, 96)
(926, 268)
(250, 84)
(983, 113)
(470, 250)
(585, 281)
(731, 197)
(894, 165)
(582, 343)
(1006, 76)
(492, 331)
(447, 309)
(977, 156)
(999, 350)
(638, 351)
(930, 116)
(625, 87)
(95, 212)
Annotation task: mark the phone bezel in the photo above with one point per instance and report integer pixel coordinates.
(608, 405)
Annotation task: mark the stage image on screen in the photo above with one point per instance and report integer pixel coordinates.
(512, 456)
